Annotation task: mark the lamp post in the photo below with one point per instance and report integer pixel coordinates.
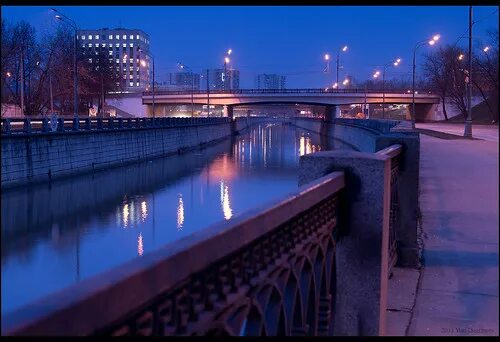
(182, 66)
(143, 63)
(226, 61)
(344, 49)
(468, 121)
(327, 61)
(431, 42)
(395, 63)
(73, 25)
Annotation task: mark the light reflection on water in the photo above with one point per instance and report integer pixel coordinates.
(53, 236)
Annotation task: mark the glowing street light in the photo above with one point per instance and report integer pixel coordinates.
(346, 82)
(344, 49)
(431, 42)
(229, 51)
(486, 49)
(143, 62)
(8, 74)
(335, 85)
(461, 57)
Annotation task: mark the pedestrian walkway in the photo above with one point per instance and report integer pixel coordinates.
(484, 132)
(457, 292)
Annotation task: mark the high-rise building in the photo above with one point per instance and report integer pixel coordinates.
(270, 81)
(219, 81)
(128, 49)
(184, 80)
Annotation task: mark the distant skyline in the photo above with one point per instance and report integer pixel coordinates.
(287, 40)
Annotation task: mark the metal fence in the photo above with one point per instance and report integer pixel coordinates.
(269, 271)
(285, 91)
(394, 152)
(44, 125)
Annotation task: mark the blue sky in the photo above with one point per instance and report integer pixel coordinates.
(290, 40)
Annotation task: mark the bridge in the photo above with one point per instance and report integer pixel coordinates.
(425, 101)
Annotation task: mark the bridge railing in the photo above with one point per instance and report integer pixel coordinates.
(269, 271)
(44, 125)
(394, 152)
(287, 91)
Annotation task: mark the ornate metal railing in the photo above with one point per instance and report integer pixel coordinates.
(269, 271)
(44, 125)
(394, 152)
(286, 91)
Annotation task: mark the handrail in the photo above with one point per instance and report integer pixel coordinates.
(99, 303)
(287, 91)
(14, 127)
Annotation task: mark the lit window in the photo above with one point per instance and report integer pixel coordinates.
(90, 37)
(96, 36)
(124, 36)
(131, 68)
(117, 45)
(124, 77)
(137, 37)
(97, 45)
(110, 37)
(124, 69)
(117, 61)
(117, 37)
(131, 84)
(96, 53)
(124, 45)
(103, 44)
(90, 44)
(83, 37)
(137, 69)
(131, 44)
(137, 84)
(90, 60)
(131, 36)
(110, 52)
(117, 69)
(83, 45)
(131, 76)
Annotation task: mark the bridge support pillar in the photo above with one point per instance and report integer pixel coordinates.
(331, 112)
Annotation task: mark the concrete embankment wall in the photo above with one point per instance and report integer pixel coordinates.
(360, 134)
(38, 157)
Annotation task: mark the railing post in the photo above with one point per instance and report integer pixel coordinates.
(45, 125)
(99, 123)
(75, 124)
(120, 123)
(88, 124)
(60, 125)
(361, 250)
(6, 126)
(27, 125)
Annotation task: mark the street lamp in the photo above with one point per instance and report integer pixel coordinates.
(327, 61)
(72, 24)
(395, 63)
(182, 66)
(226, 61)
(431, 42)
(344, 49)
(143, 63)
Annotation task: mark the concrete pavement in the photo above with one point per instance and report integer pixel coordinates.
(484, 132)
(457, 291)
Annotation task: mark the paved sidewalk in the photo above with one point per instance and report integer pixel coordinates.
(458, 287)
(484, 132)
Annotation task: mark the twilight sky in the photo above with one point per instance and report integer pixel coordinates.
(290, 40)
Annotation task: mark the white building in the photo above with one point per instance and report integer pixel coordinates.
(127, 48)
